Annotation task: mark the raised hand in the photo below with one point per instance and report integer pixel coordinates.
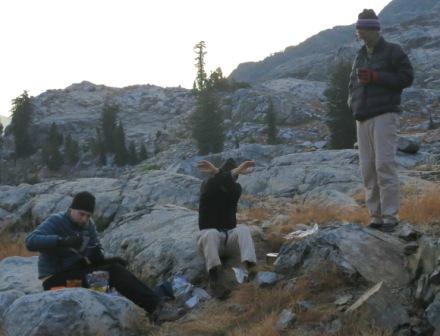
(244, 168)
(207, 167)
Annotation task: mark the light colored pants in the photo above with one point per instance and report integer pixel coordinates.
(377, 141)
(212, 244)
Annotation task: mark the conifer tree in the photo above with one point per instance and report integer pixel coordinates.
(340, 120)
(54, 135)
(143, 154)
(121, 155)
(132, 155)
(71, 150)
(207, 119)
(271, 130)
(1, 135)
(108, 126)
(21, 123)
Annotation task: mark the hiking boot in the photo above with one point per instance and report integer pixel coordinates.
(375, 226)
(219, 291)
(388, 227)
(166, 312)
(251, 269)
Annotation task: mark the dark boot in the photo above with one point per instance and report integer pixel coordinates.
(216, 288)
(166, 312)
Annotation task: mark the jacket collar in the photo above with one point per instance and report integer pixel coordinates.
(379, 46)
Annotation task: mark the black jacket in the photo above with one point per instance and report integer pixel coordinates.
(219, 196)
(382, 96)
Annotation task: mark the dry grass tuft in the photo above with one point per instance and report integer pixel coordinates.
(255, 214)
(265, 327)
(315, 213)
(258, 311)
(422, 208)
(13, 246)
(356, 324)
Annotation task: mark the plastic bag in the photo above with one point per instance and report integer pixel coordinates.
(98, 281)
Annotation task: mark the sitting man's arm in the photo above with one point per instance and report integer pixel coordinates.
(94, 253)
(46, 237)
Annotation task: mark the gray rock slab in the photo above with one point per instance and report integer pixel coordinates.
(382, 307)
(20, 273)
(433, 313)
(7, 298)
(159, 187)
(72, 312)
(157, 243)
(267, 279)
(355, 249)
(408, 144)
(286, 319)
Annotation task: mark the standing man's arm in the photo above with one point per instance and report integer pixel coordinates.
(353, 79)
(401, 74)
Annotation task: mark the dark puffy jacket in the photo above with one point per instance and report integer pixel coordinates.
(219, 196)
(382, 96)
(54, 259)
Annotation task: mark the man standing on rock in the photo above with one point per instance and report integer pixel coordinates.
(381, 70)
(70, 249)
(219, 233)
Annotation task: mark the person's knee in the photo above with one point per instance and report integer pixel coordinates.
(243, 230)
(208, 235)
(386, 173)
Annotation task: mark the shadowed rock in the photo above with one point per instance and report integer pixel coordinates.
(72, 312)
(353, 248)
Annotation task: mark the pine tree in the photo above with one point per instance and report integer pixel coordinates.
(201, 78)
(271, 131)
(1, 135)
(20, 125)
(132, 155)
(108, 126)
(340, 120)
(207, 119)
(121, 155)
(98, 148)
(71, 150)
(54, 135)
(143, 154)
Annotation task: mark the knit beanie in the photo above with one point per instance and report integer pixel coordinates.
(228, 165)
(368, 20)
(83, 201)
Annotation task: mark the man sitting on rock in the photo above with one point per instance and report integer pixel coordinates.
(70, 249)
(219, 233)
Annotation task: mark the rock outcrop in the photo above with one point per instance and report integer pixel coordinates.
(73, 312)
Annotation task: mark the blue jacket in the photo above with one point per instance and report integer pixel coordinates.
(44, 239)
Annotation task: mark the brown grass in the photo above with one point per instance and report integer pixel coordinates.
(356, 324)
(315, 213)
(255, 214)
(259, 312)
(265, 327)
(422, 208)
(13, 245)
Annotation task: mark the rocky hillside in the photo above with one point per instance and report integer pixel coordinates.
(324, 277)
(415, 25)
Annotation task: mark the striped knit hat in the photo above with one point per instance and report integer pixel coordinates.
(368, 20)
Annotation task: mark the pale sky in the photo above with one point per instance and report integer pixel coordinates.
(50, 44)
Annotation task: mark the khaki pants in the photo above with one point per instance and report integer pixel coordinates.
(212, 244)
(377, 141)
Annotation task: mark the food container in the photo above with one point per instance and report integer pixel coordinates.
(271, 257)
(98, 281)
